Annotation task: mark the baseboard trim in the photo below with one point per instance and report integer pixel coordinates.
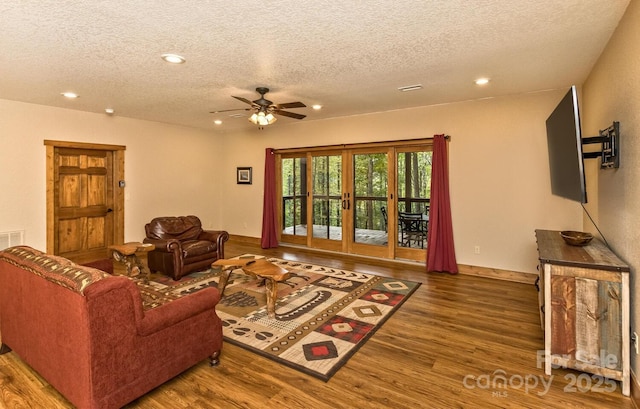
(236, 238)
(484, 272)
(497, 274)
(635, 391)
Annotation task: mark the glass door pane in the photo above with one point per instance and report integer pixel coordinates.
(326, 176)
(294, 196)
(370, 187)
(414, 195)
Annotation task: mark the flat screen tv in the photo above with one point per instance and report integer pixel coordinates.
(564, 141)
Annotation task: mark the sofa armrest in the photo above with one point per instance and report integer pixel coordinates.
(178, 310)
(217, 236)
(167, 246)
(155, 319)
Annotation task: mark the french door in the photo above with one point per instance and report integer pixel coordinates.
(350, 199)
(327, 205)
(370, 177)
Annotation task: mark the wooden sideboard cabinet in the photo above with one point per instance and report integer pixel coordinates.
(584, 297)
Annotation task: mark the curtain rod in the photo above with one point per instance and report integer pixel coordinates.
(409, 142)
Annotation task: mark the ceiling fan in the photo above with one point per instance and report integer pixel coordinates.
(265, 110)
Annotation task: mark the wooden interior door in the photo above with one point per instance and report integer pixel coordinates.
(85, 202)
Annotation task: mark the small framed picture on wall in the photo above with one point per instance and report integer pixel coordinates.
(244, 175)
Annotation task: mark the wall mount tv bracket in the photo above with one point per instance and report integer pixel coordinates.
(610, 140)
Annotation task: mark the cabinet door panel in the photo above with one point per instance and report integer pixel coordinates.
(610, 295)
(587, 321)
(563, 315)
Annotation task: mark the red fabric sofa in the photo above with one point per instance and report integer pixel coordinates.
(92, 335)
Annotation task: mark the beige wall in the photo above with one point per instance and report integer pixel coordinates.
(612, 93)
(500, 189)
(498, 159)
(168, 169)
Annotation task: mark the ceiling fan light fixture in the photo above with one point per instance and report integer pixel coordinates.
(261, 118)
(265, 111)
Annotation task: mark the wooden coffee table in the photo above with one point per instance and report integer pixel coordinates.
(259, 268)
(126, 254)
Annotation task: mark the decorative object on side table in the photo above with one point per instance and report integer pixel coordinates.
(126, 254)
(576, 238)
(243, 175)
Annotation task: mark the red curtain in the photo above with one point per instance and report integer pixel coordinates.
(440, 250)
(269, 208)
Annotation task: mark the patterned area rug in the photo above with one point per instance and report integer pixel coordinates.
(323, 315)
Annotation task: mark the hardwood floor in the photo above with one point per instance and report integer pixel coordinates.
(448, 346)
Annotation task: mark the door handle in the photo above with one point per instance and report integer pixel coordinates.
(344, 204)
(348, 204)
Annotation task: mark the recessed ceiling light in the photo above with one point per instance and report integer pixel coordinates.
(217, 122)
(70, 95)
(316, 107)
(410, 88)
(109, 111)
(482, 81)
(173, 58)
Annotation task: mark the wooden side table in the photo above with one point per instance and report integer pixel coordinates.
(126, 254)
(259, 268)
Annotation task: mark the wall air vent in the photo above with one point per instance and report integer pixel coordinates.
(410, 88)
(11, 238)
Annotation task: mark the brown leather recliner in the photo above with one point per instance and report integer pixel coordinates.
(182, 246)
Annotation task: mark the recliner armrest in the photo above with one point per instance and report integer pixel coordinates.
(213, 235)
(217, 236)
(169, 246)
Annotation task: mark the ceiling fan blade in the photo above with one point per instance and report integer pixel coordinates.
(229, 110)
(291, 105)
(289, 114)
(246, 101)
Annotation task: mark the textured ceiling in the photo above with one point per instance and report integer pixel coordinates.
(349, 56)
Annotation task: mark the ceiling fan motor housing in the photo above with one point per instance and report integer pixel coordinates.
(262, 101)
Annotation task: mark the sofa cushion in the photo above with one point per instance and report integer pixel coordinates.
(56, 269)
(179, 228)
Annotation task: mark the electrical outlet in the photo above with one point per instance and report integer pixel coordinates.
(476, 249)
